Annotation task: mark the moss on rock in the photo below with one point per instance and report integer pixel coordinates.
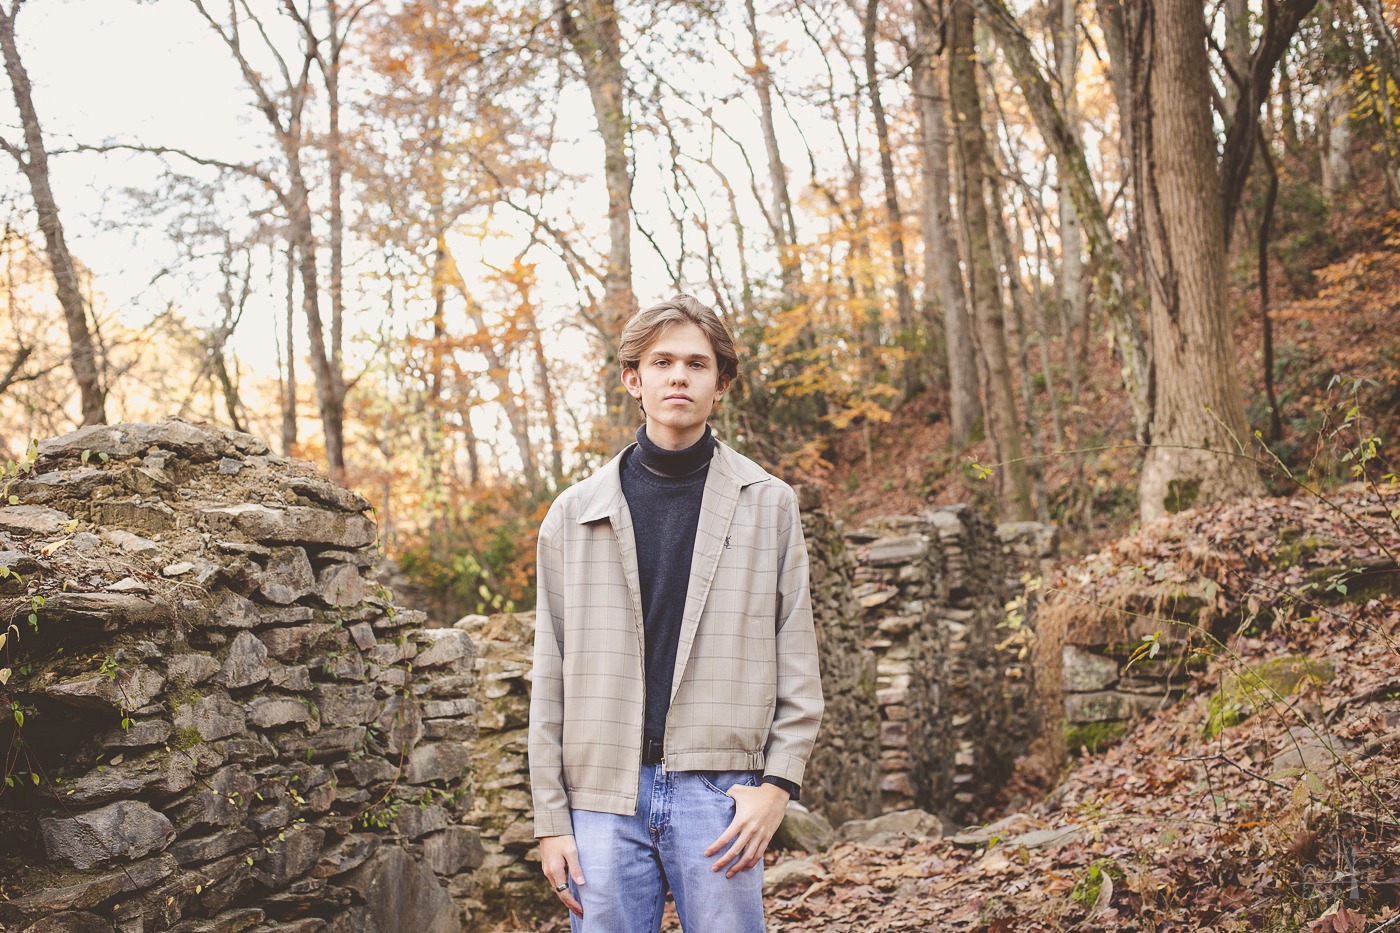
(1243, 693)
(1093, 736)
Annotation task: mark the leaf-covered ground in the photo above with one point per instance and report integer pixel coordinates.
(1286, 821)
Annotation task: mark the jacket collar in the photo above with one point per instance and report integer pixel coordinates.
(605, 499)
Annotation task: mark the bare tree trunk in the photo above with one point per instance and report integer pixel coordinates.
(1198, 422)
(1335, 122)
(1288, 113)
(233, 299)
(1265, 222)
(289, 380)
(1109, 280)
(1008, 257)
(1236, 50)
(904, 301)
(942, 272)
(283, 110)
(1116, 43)
(335, 165)
(548, 401)
(498, 367)
(1071, 234)
(1005, 431)
(330, 384)
(591, 30)
(780, 220)
(33, 159)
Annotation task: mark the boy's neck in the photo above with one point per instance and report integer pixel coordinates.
(667, 439)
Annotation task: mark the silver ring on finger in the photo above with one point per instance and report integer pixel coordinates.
(562, 887)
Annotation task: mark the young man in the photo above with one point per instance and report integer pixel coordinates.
(675, 693)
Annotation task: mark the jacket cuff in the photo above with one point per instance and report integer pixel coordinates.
(553, 823)
(794, 791)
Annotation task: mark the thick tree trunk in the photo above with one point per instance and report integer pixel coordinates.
(942, 272)
(1005, 431)
(590, 27)
(33, 159)
(904, 300)
(1199, 432)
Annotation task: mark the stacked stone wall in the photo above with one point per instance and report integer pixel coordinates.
(843, 776)
(227, 724)
(953, 700)
(509, 878)
(1110, 672)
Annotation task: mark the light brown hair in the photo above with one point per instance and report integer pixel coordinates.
(647, 325)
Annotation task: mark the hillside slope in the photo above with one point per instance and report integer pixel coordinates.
(1288, 820)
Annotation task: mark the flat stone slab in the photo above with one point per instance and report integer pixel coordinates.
(128, 689)
(803, 871)
(1085, 671)
(288, 576)
(131, 543)
(445, 645)
(214, 717)
(916, 823)
(1108, 706)
(122, 831)
(128, 440)
(32, 520)
(294, 524)
(270, 712)
(246, 663)
(901, 549)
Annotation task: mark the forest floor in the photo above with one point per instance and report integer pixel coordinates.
(1289, 820)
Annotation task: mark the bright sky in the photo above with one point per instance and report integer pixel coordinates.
(155, 74)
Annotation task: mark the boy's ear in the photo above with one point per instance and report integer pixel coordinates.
(632, 380)
(722, 386)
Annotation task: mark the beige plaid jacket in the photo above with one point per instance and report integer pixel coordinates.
(746, 692)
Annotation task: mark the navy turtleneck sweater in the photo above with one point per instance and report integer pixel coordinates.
(663, 490)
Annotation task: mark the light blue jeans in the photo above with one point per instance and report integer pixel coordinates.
(628, 861)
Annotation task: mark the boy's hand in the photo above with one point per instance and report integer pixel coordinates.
(559, 858)
(758, 812)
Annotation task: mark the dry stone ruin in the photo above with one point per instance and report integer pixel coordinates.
(221, 721)
(217, 721)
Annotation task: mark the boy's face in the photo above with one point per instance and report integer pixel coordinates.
(678, 382)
